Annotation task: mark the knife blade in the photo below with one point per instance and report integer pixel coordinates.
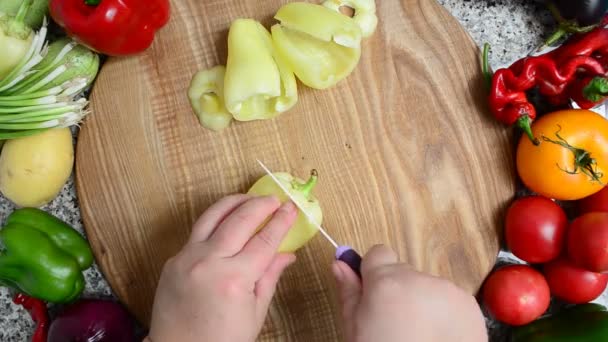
(343, 253)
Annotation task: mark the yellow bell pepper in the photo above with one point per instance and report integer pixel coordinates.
(302, 230)
(258, 83)
(206, 94)
(321, 46)
(365, 13)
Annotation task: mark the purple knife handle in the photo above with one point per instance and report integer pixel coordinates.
(350, 257)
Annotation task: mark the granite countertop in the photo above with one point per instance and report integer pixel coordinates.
(513, 27)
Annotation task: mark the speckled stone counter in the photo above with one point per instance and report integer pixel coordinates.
(513, 27)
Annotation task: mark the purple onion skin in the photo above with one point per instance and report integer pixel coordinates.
(585, 12)
(91, 320)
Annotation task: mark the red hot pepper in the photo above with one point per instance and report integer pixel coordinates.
(112, 27)
(576, 70)
(40, 316)
(508, 99)
(589, 91)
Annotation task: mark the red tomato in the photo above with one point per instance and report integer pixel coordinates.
(573, 284)
(516, 294)
(595, 202)
(588, 241)
(535, 229)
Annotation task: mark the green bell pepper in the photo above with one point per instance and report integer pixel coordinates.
(43, 256)
(580, 323)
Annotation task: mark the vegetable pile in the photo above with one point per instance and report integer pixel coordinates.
(42, 84)
(315, 43)
(561, 157)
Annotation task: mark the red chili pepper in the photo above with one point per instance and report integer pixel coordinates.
(112, 27)
(588, 92)
(593, 44)
(557, 74)
(38, 311)
(508, 99)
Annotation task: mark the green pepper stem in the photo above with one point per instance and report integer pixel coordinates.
(583, 161)
(485, 66)
(555, 37)
(525, 124)
(307, 187)
(564, 27)
(92, 2)
(597, 89)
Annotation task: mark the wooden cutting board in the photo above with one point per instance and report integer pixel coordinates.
(407, 152)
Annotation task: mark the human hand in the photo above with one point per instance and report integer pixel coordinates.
(395, 303)
(219, 286)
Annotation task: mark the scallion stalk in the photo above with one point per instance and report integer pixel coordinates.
(40, 91)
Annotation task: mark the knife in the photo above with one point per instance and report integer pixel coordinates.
(343, 253)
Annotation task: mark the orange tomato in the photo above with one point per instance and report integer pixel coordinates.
(571, 160)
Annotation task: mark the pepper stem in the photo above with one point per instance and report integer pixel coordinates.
(307, 187)
(597, 89)
(554, 37)
(564, 27)
(583, 162)
(525, 124)
(485, 66)
(92, 2)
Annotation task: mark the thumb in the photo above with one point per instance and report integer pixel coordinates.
(349, 287)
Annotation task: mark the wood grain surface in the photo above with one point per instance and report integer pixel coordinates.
(407, 154)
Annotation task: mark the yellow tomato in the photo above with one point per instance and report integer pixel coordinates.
(571, 160)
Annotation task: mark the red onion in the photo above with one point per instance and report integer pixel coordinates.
(91, 320)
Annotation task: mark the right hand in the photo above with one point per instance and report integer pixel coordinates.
(394, 303)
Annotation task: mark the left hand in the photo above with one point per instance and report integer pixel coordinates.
(219, 286)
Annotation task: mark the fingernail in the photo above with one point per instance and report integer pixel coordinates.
(288, 207)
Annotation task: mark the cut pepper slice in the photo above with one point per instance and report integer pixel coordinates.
(321, 46)
(258, 83)
(320, 23)
(365, 13)
(206, 94)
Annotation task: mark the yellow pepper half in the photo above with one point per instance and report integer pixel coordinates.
(206, 94)
(302, 230)
(258, 83)
(320, 45)
(365, 13)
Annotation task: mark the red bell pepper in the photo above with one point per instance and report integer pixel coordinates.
(112, 27)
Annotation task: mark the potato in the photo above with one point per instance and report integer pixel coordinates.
(34, 169)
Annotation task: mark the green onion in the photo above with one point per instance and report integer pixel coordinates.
(41, 91)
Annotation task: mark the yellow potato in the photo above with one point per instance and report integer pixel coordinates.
(34, 169)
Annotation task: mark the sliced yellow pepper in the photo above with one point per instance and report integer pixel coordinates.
(365, 13)
(258, 83)
(321, 46)
(206, 94)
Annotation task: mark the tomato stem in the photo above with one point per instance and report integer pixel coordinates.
(307, 187)
(583, 162)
